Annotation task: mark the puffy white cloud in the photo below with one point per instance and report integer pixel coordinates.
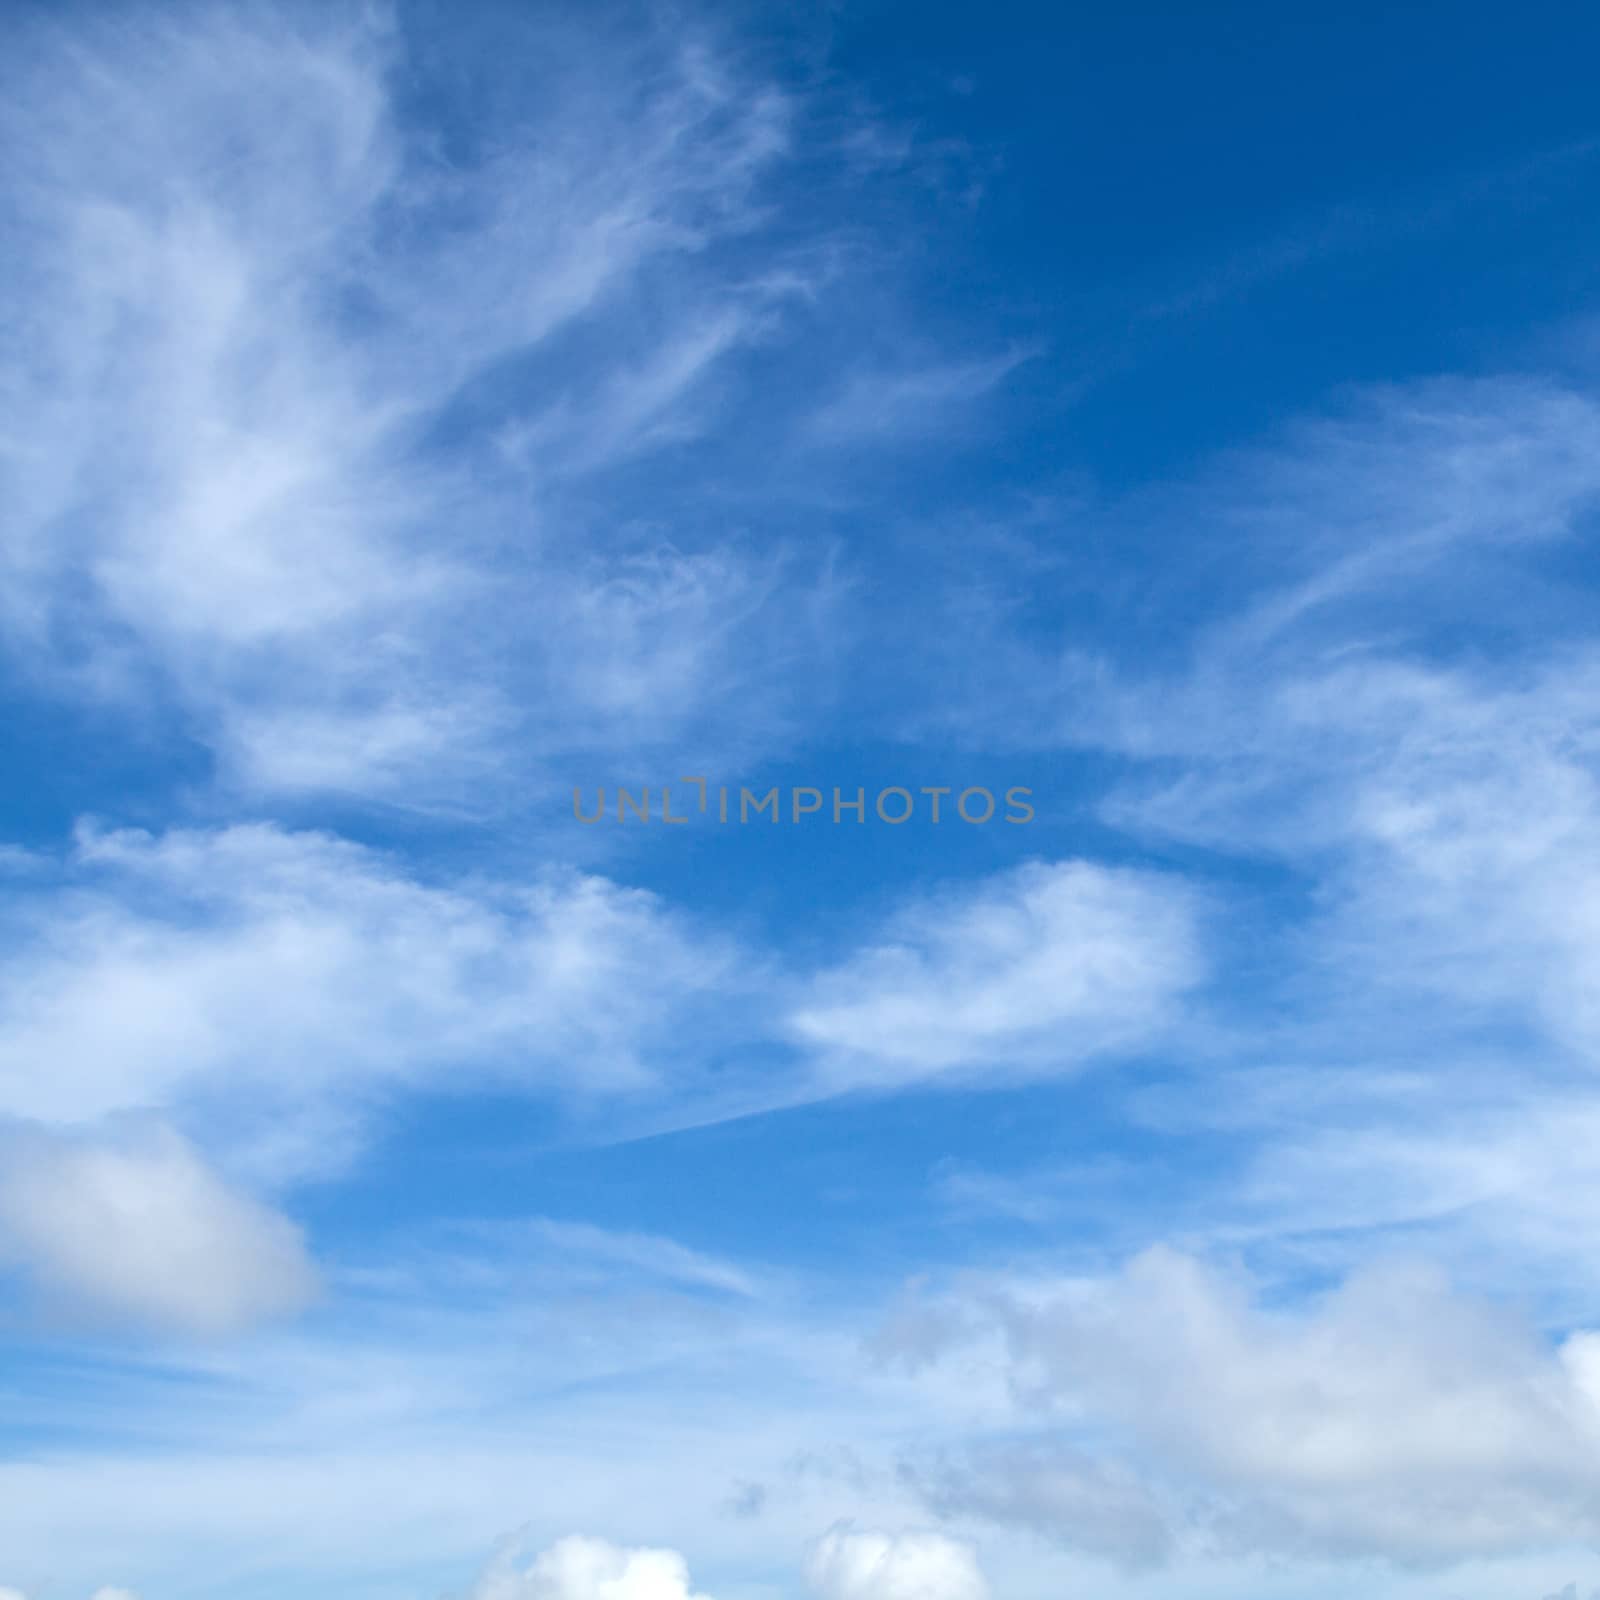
(1029, 973)
(848, 1563)
(578, 1568)
(1393, 1418)
(144, 1232)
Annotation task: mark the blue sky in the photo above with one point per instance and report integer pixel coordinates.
(415, 420)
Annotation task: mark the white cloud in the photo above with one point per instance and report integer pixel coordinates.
(578, 1568)
(847, 1563)
(143, 1232)
(1097, 1507)
(1455, 479)
(645, 1253)
(99, 1594)
(467, 1381)
(1327, 713)
(268, 324)
(1394, 1418)
(1381, 710)
(1492, 1179)
(1450, 815)
(272, 989)
(886, 404)
(297, 973)
(1030, 973)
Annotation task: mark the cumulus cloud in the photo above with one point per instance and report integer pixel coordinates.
(1026, 974)
(1394, 1418)
(143, 1232)
(579, 1568)
(848, 1563)
(845, 1564)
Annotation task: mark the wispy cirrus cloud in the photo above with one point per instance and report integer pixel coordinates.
(282, 985)
(909, 402)
(408, 415)
(260, 976)
(259, 352)
(1387, 702)
(1029, 973)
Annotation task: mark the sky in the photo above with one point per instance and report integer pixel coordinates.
(800, 803)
